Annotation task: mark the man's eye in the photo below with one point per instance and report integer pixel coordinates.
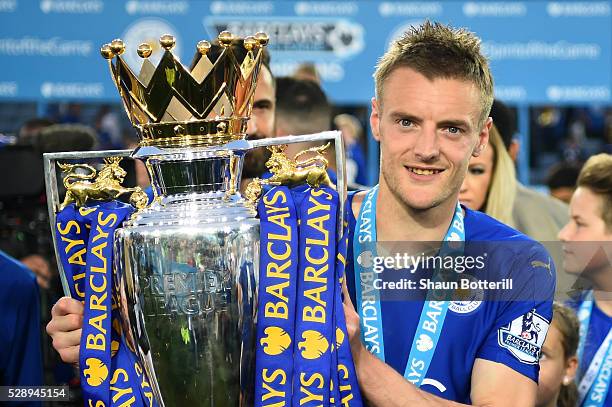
(476, 171)
(405, 122)
(262, 105)
(454, 130)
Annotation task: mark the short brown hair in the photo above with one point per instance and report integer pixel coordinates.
(596, 175)
(439, 51)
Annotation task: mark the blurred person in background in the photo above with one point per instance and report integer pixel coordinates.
(561, 180)
(548, 126)
(130, 141)
(587, 251)
(352, 133)
(28, 132)
(302, 108)
(307, 71)
(70, 113)
(537, 215)
(28, 237)
(608, 131)
(20, 359)
(558, 363)
(490, 183)
(108, 126)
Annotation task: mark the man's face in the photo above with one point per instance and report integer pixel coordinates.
(261, 123)
(428, 130)
(585, 237)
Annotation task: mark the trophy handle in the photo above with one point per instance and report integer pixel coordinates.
(336, 137)
(51, 188)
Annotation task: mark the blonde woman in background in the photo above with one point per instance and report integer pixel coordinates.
(490, 183)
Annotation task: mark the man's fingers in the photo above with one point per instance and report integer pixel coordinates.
(66, 305)
(70, 355)
(64, 340)
(65, 323)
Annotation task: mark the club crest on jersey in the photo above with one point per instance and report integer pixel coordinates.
(524, 337)
(467, 300)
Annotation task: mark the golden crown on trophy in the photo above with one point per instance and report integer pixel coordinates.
(207, 104)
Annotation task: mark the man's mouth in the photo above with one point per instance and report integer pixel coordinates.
(424, 171)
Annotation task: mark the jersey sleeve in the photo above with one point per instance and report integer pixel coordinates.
(523, 315)
(20, 313)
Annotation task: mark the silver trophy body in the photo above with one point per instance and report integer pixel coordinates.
(187, 269)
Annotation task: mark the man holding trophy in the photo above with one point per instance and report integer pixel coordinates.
(267, 320)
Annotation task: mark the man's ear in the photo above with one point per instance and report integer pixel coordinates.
(483, 137)
(375, 120)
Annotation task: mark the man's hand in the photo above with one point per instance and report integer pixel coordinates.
(40, 266)
(65, 328)
(353, 326)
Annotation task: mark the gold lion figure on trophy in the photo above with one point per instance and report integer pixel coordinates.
(286, 171)
(106, 186)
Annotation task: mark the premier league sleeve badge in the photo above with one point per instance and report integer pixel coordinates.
(524, 336)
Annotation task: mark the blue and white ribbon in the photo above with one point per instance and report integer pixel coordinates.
(428, 331)
(595, 383)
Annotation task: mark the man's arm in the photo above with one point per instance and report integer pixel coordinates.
(493, 384)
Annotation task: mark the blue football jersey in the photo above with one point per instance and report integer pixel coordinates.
(599, 326)
(509, 328)
(21, 358)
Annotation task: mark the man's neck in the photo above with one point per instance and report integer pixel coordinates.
(397, 222)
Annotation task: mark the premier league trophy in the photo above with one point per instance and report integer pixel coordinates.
(186, 266)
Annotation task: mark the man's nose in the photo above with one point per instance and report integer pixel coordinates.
(252, 126)
(427, 147)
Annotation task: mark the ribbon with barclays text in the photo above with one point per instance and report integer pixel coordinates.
(110, 372)
(303, 355)
(276, 301)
